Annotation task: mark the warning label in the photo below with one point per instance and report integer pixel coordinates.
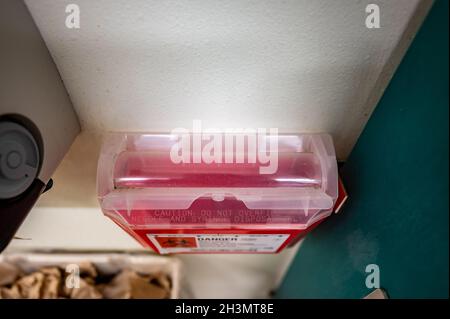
(256, 243)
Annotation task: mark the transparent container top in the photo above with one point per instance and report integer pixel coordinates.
(290, 178)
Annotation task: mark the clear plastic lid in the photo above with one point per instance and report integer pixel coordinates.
(150, 180)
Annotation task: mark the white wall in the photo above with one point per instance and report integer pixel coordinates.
(154, 65)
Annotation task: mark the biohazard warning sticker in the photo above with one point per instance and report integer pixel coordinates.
(252, 243)
(176, 242)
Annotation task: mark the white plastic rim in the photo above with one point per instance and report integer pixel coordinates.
(19, 159)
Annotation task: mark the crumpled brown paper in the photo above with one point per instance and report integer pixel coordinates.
(30, 285)
(84, 291)
(129, 285)
(162, 280)
(50, 282)
(8, 273)
(87, 269)
(10, 293)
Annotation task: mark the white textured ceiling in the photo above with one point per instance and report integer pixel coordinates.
(309, 66)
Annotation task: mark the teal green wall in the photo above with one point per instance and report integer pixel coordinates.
(397, 177)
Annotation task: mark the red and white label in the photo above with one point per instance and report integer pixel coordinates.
(249, 243)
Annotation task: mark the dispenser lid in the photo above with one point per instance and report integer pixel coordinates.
(170, 171)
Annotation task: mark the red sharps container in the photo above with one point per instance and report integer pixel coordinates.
(217, 192)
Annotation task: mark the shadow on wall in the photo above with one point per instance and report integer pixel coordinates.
(75, 179)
